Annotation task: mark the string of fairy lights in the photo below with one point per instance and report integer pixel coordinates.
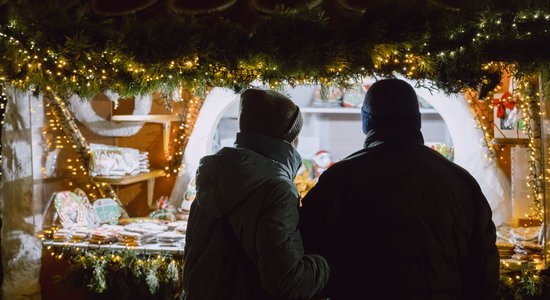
(3, 106)
(530, 108)
(95, 70)
(527, 104)
(190, 113)
(99, 268)
(63, 71)
(52, 66)
(56, 142)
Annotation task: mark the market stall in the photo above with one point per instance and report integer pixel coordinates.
(106, 110)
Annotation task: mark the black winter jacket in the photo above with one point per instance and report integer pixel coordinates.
(397, 220)
(242, 237)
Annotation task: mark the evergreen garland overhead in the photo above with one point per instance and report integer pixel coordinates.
(73, 50)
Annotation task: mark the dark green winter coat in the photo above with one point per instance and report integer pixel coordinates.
(397, 220)
(242, 238)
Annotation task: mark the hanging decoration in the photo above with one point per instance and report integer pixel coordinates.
(75, 51)
(506, 101)
(69, 126)
(83, 111)
(520, 281)
(121, 274)
(482, 113)
(127, 274)
(190, 113)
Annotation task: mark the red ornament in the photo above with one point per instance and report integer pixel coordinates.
(506, 101)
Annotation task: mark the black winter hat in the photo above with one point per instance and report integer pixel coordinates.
(270, 113)
(390, 104)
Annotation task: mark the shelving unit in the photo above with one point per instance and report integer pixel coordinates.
(124, 180)
(165, 120)
(349, 110)
(148, 249)
(510, 141)
(146, 118)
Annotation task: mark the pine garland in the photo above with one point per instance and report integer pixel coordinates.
(74, 50)
(122, 274)
(126, 274)
(526, 283)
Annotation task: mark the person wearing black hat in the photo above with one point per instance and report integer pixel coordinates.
(242, 238)
(397, 220)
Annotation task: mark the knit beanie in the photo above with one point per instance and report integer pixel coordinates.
(271, 114)
(390, 104)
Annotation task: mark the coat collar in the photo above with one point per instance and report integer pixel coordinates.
(278, 150)
(403, 137)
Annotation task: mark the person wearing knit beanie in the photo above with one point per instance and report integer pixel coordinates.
(271, 114)
(242, 240)
(416, 221)
(390, 104)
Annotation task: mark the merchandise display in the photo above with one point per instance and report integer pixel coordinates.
(107, 210)
(114, 161)
(74, 209)
(329, 97)
(322, 160)
(354, 95)
(507, 114)
(519, 244)
(81, 225)
(136, 233)
(447, 151)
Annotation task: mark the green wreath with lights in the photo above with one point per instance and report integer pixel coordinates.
(75, 51)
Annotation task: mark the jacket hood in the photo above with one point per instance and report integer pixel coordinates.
(226, 178)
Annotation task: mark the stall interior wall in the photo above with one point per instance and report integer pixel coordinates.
(338, 132)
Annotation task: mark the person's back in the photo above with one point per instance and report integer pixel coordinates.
(397, 220)
(242, 239)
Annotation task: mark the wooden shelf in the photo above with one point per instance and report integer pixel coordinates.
(331, 110)
(124, 180)
(165, 120)
(176, 249)
(146, 118)
(510, 141)
(349, 110)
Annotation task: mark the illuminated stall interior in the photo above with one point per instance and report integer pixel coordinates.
(161, 78)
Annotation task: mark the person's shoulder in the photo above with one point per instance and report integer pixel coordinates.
(357, 154)
(343, 166)
(450, 165)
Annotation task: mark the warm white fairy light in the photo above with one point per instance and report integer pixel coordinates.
(3, 106)
(530, 109)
